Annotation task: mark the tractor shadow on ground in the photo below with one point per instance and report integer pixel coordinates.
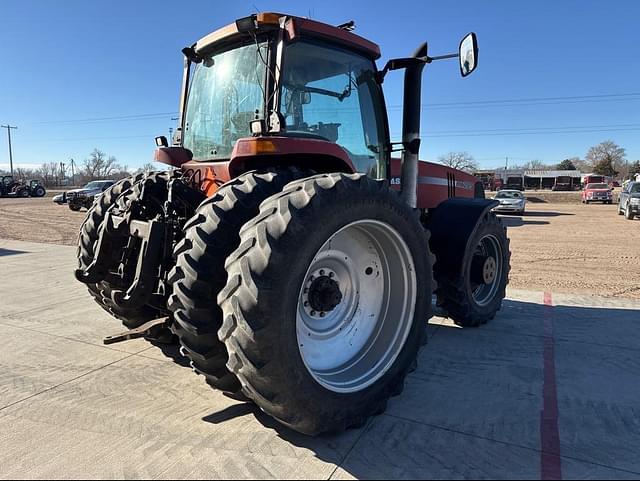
(433, 413)
(534, 213)
(513, 221)
(11, 252)
(171, 351)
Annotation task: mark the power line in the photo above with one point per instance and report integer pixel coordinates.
(632, 96)
(546, 100)
(531, 130)
(491, 134)
(108, 119)
(80, 139)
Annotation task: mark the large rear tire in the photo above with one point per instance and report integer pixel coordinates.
(327, 302)
(199, 275)
(472, 296)
(122, 192)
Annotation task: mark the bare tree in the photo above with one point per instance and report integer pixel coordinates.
(49, 171)
(606, 153)
(460, 161)
(23, 174)
(99, 166)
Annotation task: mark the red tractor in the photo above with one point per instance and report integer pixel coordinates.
(293, 257)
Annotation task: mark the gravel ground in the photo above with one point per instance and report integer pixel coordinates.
(571, 248)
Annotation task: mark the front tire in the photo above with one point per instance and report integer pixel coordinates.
(473, 296)
(318, 342)
(628, 214)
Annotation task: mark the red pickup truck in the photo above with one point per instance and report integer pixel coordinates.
(597, 193)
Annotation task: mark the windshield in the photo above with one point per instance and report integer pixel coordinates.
(635, 189)
(226, 93)
(597, 186)
(331, 94)
(509, 195)
(95, 185)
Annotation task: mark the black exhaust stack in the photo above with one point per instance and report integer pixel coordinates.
(411, 127)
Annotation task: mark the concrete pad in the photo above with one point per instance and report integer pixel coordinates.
(143, 418)
(394, 448)
(72, 408)
(479, 383)
(79, 319)
(598, 398)
(32, 362)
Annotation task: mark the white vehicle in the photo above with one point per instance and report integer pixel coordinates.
(512, 201)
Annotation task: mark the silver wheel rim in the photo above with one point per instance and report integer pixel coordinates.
(489, 247)
(353, 343)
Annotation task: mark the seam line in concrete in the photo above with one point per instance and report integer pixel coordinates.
(47, 306)
(507, 443)
(44, 391)
(346, 456)
(30, 329)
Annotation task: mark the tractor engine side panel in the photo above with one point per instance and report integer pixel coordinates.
(436, 183)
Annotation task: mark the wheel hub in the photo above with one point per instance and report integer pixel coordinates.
(486, 270)
(489, 270)
(324, 293)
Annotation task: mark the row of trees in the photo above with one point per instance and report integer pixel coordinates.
(606, 158)
(98, 166)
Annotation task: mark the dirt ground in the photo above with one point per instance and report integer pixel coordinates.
(561, 247)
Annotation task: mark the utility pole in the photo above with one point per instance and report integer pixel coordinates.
(73, 173)
(9, 127)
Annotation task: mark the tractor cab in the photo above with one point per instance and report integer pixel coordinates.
(298, 83)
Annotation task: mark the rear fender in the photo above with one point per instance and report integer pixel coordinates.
(452, 224)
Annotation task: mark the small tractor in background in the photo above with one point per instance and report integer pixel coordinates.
(9, 187)
(288, 250)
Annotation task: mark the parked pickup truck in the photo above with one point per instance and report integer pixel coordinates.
(83, 197)
(597, 193)
(629, 200)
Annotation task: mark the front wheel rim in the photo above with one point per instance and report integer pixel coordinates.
(356, 306)
(490, 248)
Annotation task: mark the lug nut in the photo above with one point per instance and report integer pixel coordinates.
(313, 313)
(331, 275)
(322, 314)
(322, 272)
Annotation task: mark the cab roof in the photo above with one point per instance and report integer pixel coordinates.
(295, 28)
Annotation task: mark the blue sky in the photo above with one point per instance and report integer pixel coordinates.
(68, 61)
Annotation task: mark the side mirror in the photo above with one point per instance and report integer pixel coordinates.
(468, 54)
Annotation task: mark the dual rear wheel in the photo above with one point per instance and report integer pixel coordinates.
(306, 295)
(322, 302)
